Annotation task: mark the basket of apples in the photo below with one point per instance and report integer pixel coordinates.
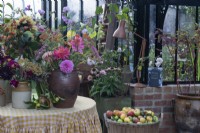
(129, 120)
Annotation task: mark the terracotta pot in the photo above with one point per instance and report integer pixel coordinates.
(65, 86)
(20, 95)
(187, 113)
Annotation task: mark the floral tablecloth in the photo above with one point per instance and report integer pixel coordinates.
(82, 118)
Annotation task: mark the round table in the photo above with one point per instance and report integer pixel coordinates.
(82, 118)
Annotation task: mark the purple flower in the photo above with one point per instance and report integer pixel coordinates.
(41, 28)
(64, 18)
(14, 83)
(65, 9)
(103, 72)
(41, 12)
(13, 64)
(84, 31)
(70, 21)
(66, 66)
(28, 8)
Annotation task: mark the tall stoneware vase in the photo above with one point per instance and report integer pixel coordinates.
(187, 113)
(20, 95)
(65, 86)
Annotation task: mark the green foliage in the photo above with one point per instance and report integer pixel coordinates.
(109, 85)
(99, 10)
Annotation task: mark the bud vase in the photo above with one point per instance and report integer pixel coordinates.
(20, 95)
(65, 86)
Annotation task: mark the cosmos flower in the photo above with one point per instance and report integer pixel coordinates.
(77, 44)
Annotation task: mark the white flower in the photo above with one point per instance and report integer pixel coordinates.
(159, 60)
(158, 64)
(90, 78)
(119, 50)
(91, 62)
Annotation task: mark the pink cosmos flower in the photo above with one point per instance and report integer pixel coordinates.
(77, 44)
(66, 66)
(61, 53)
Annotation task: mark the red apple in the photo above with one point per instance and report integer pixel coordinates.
(109, 113)
(130, 113)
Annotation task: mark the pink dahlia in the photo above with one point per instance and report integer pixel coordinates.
(61, 53)
(77, 44)
(66, 66)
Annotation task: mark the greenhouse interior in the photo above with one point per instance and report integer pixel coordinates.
(99, 66)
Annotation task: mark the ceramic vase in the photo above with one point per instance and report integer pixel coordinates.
(20, 95)
(65, 86)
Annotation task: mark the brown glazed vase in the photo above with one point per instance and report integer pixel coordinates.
(187, 113)
(65, 86)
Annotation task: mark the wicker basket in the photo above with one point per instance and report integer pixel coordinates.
(114, 127)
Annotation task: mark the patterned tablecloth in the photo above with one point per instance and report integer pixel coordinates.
(82, 118)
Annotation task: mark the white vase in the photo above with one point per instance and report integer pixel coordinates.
(20, 95)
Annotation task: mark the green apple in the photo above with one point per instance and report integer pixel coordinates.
(137, 112)
(120, 120)
(127, 120)
(142, 120)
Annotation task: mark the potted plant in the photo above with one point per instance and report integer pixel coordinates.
(108, 86)
(187, 103)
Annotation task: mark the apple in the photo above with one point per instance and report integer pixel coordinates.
(121, 112)
(120, 120)
(142, 120)
(155, 119)
(149, 118)
(116, 118)
(109, 113)
(135, 120)
(137, 112)
(130, 113)
(127, 120)
(122, 116)
(116, 112)
(131, 118)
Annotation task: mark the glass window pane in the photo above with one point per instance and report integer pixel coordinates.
(89, 7)
(185, 47)
(75, 6)
(152, 29)
(168, 49)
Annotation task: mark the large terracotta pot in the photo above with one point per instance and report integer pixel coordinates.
(20, 95)
(65, 86)
(187, 113)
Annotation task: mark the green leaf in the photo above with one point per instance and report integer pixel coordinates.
(99, 10)
(125, 10)
(1, 5)
(113, 8)
(11, 7)
(93, 22)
